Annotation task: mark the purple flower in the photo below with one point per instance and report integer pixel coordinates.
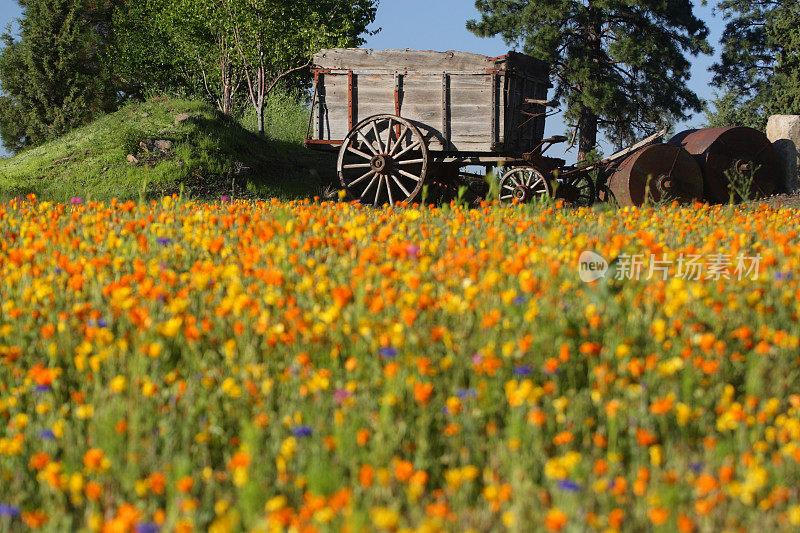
(9, 510)
(76, 200)
(388, 352)
(523, 370)
(46, 434)
(163, 241)
(340, 395)
(477, 359)
(225, 199)
(412, 250)
(568, 485)
(302, 431)
(102, 323)
(42, 388)
(696, 467)
(519, 300)
(466, 393)
(147, 527)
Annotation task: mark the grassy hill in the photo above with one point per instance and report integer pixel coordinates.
(146, 149)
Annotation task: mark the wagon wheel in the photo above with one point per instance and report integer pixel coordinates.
(524, 184)
(384, 158)
(579, 190)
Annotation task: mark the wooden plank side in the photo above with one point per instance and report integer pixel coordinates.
(471, 108)
(402, 60)
(526, 65)
(334, 109)
(524, 132)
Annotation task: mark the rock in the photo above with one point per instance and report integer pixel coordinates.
(784, 133)
(132, 159)
(146, 145)
(105, 169)
(163, 145)
(145, 115)
(181, 117)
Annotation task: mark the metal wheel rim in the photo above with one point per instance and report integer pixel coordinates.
(531, 178)
(384, 159)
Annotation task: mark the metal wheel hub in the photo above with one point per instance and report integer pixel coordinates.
(381, 163)
(664, 185)
(522, 193)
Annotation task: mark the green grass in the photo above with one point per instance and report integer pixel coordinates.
(211, 155)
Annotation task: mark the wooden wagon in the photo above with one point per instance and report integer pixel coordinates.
(401, 119)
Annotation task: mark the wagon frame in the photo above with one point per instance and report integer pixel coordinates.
(400, 119)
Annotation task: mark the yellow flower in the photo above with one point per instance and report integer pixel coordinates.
(149, 389)
(85, 411)
(276, 503)
(118, 384)
(384, 518)
(171, 327)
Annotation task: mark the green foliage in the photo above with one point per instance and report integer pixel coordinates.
(285, 116)
(276, 38)
(52, 76)
(143, 55)
(211, 154)
(76, 59)
(759, 70)
(732, 108)
(222, 47)
(619, 66)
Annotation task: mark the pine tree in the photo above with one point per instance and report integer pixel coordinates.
(619, 65)
(759, 71)
(52, 76)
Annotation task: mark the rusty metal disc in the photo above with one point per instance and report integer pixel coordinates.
(660, 171)
(722, 152)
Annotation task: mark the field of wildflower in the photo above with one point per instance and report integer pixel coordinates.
(261, 366)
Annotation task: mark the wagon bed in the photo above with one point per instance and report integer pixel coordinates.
(463, 103)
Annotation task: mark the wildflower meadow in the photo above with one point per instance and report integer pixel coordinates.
(325, 366)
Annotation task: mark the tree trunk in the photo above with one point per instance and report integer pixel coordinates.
(260, 114)
(587, 137)
(587, 122)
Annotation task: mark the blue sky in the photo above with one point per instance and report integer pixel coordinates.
(440, 25)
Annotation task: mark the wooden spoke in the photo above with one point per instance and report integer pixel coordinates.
(369, 186)
(408, 174)
(389, 146)
(369, 144)
(357, 165)
(407, 149)
(362, 178)
(381, 150)
(410, 162)
(378, 191)
(359, 153)
(399, 141)
(389, 190)
(400, 184)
